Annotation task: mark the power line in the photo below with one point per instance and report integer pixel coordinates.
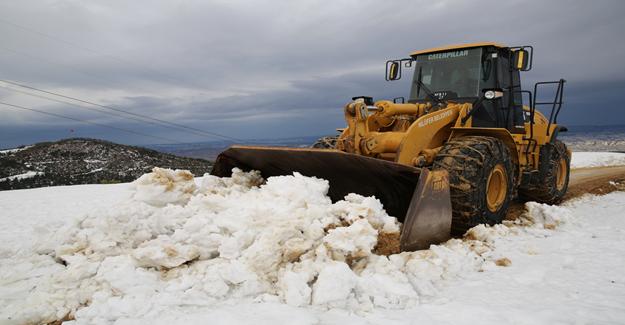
(81, 47)
(194, 130)
(87, 122)
(79, 106)
(73, 44)
(92, 51)
(144, 118)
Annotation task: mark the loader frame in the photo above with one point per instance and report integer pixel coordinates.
(415, 155)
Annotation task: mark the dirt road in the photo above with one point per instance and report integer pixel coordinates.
(596, 180)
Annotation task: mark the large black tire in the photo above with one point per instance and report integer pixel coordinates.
(554, 168)
(477, 165)
(325, 143)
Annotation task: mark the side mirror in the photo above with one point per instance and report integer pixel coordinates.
(520, 60)
(393, 70)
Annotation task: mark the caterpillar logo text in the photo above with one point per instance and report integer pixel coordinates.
(448, 55)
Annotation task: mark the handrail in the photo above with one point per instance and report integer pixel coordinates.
(556, 104)
(532, 110)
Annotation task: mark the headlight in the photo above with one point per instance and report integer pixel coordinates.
(492, 94)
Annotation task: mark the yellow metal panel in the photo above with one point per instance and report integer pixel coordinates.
(382, 142)
(427, 132)
(539, 135)
(455, 47)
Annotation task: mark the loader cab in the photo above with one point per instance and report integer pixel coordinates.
(462, 74)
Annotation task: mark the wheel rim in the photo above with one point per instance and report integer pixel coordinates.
(496, 188)
(561, 174)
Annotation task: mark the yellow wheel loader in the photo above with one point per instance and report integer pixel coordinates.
(450, 157)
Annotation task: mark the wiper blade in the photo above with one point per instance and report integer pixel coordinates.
(428, 92)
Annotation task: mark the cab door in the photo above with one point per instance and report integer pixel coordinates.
(511, 104)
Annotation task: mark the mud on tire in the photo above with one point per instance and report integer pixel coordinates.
(554, 167)
(472, 162)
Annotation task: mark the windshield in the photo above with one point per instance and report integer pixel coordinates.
(448, 74)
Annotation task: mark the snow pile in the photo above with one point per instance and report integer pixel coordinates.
(544, 215)
(537, 220)
(230, 240)
(597, 159)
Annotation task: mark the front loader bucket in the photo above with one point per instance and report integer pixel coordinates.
(393, 184)
(389, 182)
(428, 220)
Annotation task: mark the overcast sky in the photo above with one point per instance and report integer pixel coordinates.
(266, 69)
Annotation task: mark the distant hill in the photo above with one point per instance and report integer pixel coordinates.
(85, 161)
(595, 138)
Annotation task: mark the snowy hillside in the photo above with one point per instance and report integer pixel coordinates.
(595, 138)
(169, 249)
(84, 161)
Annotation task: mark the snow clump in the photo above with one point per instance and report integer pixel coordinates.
(165, 186)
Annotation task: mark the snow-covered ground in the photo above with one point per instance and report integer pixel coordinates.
(169, 249)
(597, 159)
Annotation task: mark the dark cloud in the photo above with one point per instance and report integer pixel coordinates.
(279, 68)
